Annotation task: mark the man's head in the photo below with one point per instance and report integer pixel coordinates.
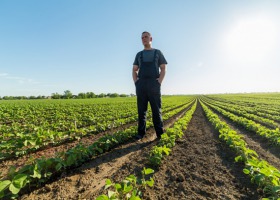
(147, 39)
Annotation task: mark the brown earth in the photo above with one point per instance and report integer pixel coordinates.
(199, 167)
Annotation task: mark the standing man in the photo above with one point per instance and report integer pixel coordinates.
(148, 72)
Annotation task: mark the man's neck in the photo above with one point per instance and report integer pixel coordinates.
(148, 48)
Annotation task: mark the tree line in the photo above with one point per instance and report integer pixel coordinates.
(67, 95)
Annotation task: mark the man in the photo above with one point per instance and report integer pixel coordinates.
(148, 72)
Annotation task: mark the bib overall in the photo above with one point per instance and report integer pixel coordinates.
(148, 90)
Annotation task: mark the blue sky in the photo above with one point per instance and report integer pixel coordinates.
(89, 45)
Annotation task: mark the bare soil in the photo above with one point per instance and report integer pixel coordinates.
(199, 167)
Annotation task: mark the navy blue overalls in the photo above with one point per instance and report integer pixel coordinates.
(148, 90)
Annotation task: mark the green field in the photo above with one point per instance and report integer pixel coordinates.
(43, 139)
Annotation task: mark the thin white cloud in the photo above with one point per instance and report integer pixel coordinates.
(3, 74)
(14, 77)
(20, 80)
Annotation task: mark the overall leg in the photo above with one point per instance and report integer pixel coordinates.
(142, 105)
(155, 102)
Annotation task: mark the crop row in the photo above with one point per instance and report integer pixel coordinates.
(263, 174)
(45, 112)
(257, 104)
(40, 170)
(69, 118)
(26, 143)
(64, 117)
(262, 112)
(271, 135)
(245, 112)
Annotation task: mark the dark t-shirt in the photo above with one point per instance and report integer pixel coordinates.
(148, 56)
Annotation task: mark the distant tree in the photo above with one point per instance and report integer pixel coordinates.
(7, 97)
(91, 95)
(19, 97)
(56, 96)
(114, 95)
(123, 95)
(67, 94)
(102, 95)
(32, 97)
(82, 95)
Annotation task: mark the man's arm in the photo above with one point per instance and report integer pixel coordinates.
(134, 72)
(162, 73)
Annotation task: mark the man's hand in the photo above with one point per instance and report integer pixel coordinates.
(159, 81)
(162, 73)
(135, 69)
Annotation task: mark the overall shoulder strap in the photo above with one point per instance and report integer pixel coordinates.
(155, 54)
(141, 56)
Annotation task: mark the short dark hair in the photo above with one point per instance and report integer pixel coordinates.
(147, 32)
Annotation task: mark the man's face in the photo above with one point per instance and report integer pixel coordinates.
(146, 39)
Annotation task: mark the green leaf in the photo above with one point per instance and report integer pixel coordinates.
(246, 171)
(108, 183)
(111, 194)
(32, 142)
(265, 171)
(167, 150)
(132, 178)
(148, 171)
(14, 189)
(135, 198)
(36, 173)
(18, 182)
(150, 182)
(4, 185)
(11, 172)
(276, 189)
(127, 188)
(102, 197)
(26, 169)
(58, 166)
(99, 150)
(48, 174)
(259, 178)
(238, 158)
(118, 187)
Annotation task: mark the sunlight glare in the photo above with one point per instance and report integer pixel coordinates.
(251, 40)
